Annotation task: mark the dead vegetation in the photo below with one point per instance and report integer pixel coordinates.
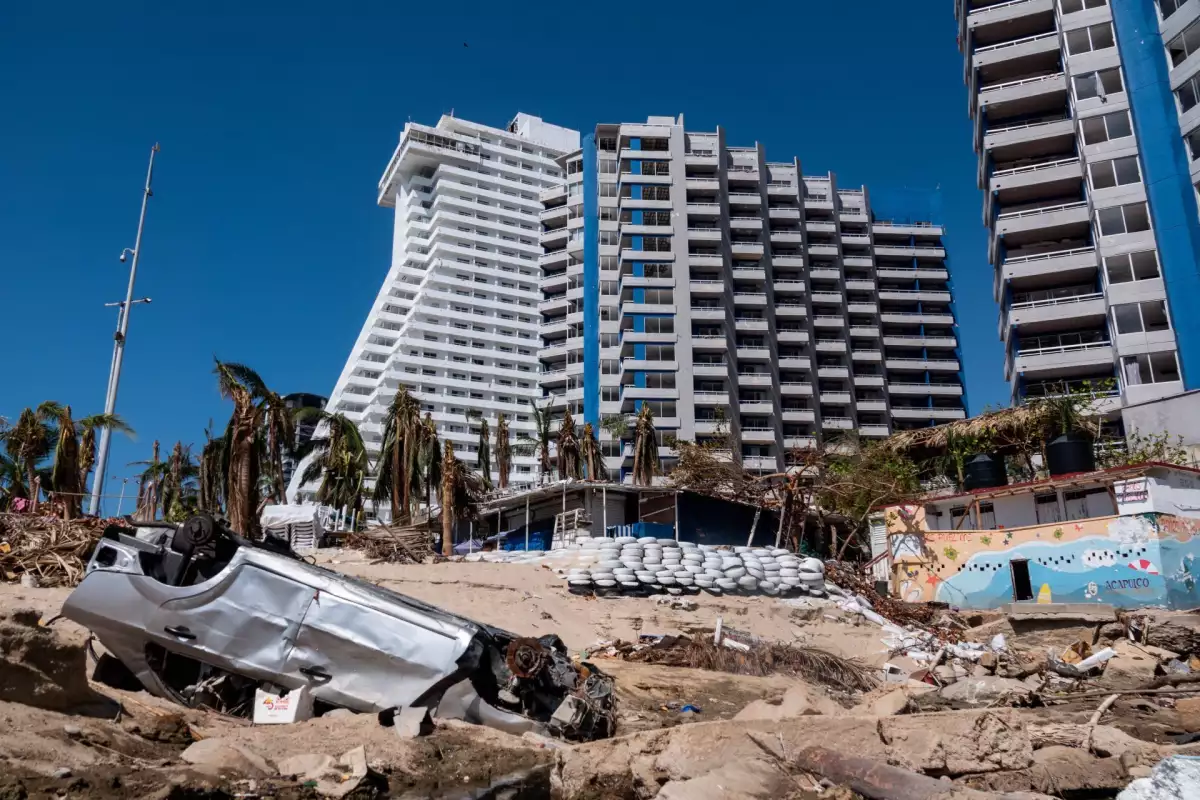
(51, 550)
(760, 658)
(393, 545)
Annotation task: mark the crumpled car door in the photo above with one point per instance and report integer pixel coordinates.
(367, 660)
(244, 620)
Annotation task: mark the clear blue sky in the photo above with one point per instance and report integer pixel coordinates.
(263, 242)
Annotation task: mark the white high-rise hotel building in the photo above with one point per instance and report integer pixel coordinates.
(457, 317)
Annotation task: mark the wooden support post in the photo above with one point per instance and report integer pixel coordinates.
(527, 522)
(604, 502)
(753, 526)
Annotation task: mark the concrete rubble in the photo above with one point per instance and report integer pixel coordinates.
(984, 705)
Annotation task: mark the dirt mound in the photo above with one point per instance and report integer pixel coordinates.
(40, 668)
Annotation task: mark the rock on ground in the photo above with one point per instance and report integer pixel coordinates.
(40, 668)
(952, 743)
(223, 757)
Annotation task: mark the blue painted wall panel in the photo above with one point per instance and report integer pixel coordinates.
(1165, 172)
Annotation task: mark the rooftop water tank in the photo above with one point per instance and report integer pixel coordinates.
(984, 471)
(1070, 453)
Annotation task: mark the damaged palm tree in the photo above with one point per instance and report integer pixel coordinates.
(484, 456)
(591, 454)
(503, 453)
(340, 460)
(242, 442)
(646, 463)
(398, 453)
(28, 441)
(567, 447)
(212, 476)
(539, 444)
(461, 491)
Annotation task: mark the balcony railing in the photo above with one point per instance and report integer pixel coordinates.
(1064, 348)
(1036, 37)
(1020, 82)
(1054, 254)
(997, 5)
(1062, 162)
(1029, 212)
(1047, 120)
(1058, 301)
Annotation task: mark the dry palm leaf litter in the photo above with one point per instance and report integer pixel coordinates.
(52, 550)
(760, 658)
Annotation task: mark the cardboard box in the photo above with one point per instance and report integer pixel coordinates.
(278, 709)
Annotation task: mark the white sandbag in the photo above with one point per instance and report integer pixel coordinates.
(608, 584)
(728, 584)
(748, 582)
(735, 572)
(668, 580)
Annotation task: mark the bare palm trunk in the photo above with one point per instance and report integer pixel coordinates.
(31, 471)
(396, 481)
(448, 501)
(277, 463)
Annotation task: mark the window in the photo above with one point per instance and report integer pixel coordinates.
(1131, 218)
(610, 394)
(1098, 84)
(656, 217)
(656, 192)
(660, 244)
(659, 297)
(1047, 508)
(1128, 267)
(608, 287)
(660, 324)
(656, 167)
(660, 380)
(1184, 44)
(1193, 142)
(661, 408)
(1071, 6)
(606, 189)
(656, 270)
(1169, 7)
(1085, 40)
(1145, 317)
(987, 517)
(1115, 172)
(1106, 127)
(1189, 93)
(660, 352)
(610, 366)
(960, 518)
(1149, 368)
(609, 339)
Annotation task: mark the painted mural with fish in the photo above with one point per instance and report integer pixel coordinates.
(1128, 561)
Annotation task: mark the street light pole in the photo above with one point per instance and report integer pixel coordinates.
(114, 378)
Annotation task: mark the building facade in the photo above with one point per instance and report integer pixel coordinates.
(736, 295)
(1126, 537)
(456, 319)
(304, 430)
(1086, 117)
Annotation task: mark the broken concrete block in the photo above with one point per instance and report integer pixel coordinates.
(984, 691)
(412, 722)
(890, 704)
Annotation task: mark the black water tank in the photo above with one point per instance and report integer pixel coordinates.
(984, 471)
(1070, 453)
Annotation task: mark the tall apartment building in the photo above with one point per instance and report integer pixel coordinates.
(456, 319)
(723, 289)
(1086, 116)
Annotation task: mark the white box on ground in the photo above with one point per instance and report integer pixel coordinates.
(277, 709)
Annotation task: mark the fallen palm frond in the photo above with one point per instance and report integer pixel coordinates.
(52, 550)
(761, 658)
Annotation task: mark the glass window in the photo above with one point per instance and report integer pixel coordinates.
(1139, 266)
(1071, 6)
(1116, 172)
(1131, 218)
(1085, 40)
(1169, 7)
(1149, 368)
(1183, 45)
(1098, 84)
(1189, 93)
(1145, 317)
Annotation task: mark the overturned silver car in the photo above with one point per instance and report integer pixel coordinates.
(204, 617)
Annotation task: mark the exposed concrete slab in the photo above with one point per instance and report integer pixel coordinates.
(1055, 612)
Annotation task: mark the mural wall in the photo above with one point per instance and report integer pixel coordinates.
(1128, 561)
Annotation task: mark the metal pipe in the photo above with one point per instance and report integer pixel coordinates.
(114, 380)
(527, 523)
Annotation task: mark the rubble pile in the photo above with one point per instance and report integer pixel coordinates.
(743, 655)
(392, 545)
(47, 551)
(638, 565)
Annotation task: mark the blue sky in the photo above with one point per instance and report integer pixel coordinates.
(263, 242)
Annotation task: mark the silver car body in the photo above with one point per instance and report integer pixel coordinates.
(273, 618)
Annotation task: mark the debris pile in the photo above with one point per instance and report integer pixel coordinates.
(393, 545)
(627, 564)
(741, 654)
(48, 550)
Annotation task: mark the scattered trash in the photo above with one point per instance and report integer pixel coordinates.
(413, 722)
(691, 708)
